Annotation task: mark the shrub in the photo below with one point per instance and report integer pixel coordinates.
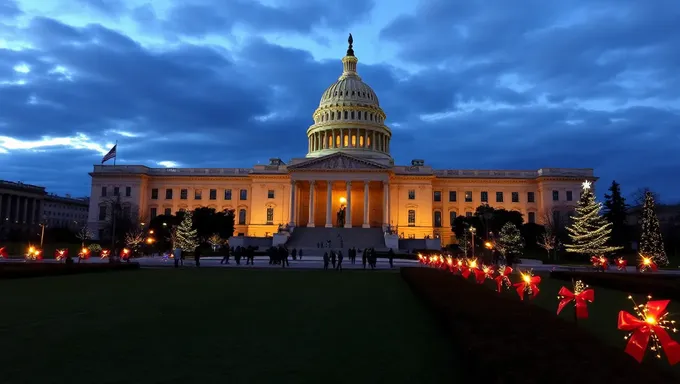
(515, 342)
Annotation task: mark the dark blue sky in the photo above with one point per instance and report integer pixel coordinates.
(491, 84)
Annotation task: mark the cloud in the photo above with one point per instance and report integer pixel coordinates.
(465, 85)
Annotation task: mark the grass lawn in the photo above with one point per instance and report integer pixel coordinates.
(220, 325)
(602, 313)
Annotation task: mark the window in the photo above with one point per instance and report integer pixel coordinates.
(411, 194)
(484, 195)
(468, 196)
(103, 191)
(126, 211)
(515, 197)
(116, 191)
(530, 197)
(241, 216)
(154, 212)
(437, 219)
(102, 212)
(198, 194)
(452, 196)
(270, 215)
(411, 217)
(556, 218)
(452, 217)
(570, 196)
(499, 197)
(270, 194)
(168, 212)
(243, 194)
(183, 194)
(437, 196)
(468, 214)
(532, 217)
(213, 194)
(154, 194)
(227, 194)
(128, 191)
(556, 195)
(168, 194)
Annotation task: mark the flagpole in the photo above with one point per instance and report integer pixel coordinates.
(114, 158)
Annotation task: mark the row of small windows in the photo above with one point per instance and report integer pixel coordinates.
(65, 206)
(116, 191)
(531, 217)
(364, 94)
(484, 196)
(351, 115)
(212, 194)
(242, 214)
(103, 211)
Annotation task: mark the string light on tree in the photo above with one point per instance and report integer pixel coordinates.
(651, 241)
(186, 234)
(589, 232)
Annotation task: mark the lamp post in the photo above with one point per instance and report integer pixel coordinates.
(473, 230)
(42, 232)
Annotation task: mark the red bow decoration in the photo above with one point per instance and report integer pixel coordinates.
(104, 253)
(469, 268)
(502, 277)
(600, 261)
(580, 297)
(84, 253)
(60, 254)
(647, 263)
(621, 263)
(3, 252)
(125, 253)
(649, 323)
(481, 274)
(458, 265)
(529, 284)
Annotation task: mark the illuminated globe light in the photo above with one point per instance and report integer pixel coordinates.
(343, 200)
(488, 245)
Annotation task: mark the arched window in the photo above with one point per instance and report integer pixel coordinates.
(411, 217)
(361, 141)
(452, 217)
(345, 115)
(270, 215)
(337, 140)
(346, 141)
(352, 115)
(437, 219)
(242, 216)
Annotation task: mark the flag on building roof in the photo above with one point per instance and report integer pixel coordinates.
(110, 155)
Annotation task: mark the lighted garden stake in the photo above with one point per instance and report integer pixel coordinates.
(649, 322)
(600, 262)
(3, 253)
(581, 295)
(33, 253)
(125, 254)
(470, 268)
(647, 264)
(84, 254)
(529, 284)
(483, 273)
(104, 253)
(61, 254)
(503, 277)
(621, 264)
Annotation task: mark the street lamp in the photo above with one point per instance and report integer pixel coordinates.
(473, 230)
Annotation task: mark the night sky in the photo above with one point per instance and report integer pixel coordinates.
(493, 84)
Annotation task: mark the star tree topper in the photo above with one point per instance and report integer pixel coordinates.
(586, 184)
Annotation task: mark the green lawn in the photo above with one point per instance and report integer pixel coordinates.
(220, 325)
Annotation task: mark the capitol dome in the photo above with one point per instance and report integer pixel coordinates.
(349, 118)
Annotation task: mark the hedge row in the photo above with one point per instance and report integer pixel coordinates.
(657, 285)
(9, 270)
(510, 341)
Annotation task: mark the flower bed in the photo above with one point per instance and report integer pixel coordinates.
(9, 270)
(509, 341)
(657, 285)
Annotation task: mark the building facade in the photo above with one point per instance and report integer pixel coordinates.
(20, 206)
(348, 176)
(65, 211)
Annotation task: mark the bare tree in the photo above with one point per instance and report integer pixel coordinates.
(84, 234)
(638, 196)
(464, 243)
(548, 241)
(173, 237)
(215, 241)
(134, 239)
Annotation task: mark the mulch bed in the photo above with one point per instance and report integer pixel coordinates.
(509, 341)
(9, 270)
(657, 285)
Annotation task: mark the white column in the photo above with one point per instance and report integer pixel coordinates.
(367, 224)
(329, 204)
(310, 222)
(348, 211)
(386, 203)
(292, 203)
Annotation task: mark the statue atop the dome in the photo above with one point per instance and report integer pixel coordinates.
(350, 51)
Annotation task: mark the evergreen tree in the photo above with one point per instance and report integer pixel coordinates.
(651, 242)
(616, 213)
(589, 232)
(510, 242)
(186, 234)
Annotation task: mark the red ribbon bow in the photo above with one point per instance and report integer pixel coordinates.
(580, 299)
(644, 328)
(621, 263)
(60, 253)
(503, 277)
(532, 284)
(3, 252)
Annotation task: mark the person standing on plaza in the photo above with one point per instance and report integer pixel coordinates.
(333, 259)
(177, 255)
(300, 254)
(325, 260)
(197, 256)
(390, 257)
(225, 258)
(340, 257)
(364, 256)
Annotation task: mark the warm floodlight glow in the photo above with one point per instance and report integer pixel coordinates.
(343, 200)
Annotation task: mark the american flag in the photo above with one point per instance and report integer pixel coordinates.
(110, 155)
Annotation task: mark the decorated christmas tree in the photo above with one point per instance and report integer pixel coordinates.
(590, 232)
(510, 242)
(651, 242)
(186, 234)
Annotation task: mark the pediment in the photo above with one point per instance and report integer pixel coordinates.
(338, 161)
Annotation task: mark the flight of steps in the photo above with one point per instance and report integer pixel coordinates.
(360, 238)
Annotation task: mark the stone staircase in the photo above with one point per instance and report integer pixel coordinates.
(303, 238)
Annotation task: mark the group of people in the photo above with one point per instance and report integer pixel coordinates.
(368, 256)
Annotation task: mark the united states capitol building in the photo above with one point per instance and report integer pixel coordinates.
(347, 179)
